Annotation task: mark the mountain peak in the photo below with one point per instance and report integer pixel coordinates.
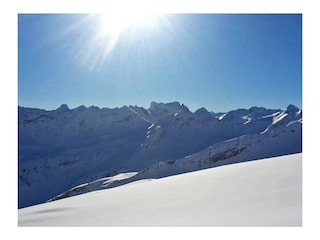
(292, 107)
(202, 111)
(160, 104)
(293, 110)
(171, 107)
(63, 108)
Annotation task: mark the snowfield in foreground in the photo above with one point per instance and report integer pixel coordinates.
(265, 192)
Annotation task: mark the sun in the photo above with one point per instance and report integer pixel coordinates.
(115, 23)
(110, 24)
(109, 27)
(100, 34)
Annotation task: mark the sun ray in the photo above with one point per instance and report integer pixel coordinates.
(93, 47)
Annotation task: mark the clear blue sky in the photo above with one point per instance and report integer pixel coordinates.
(220, 62)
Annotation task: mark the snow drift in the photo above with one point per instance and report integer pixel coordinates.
(265, 192)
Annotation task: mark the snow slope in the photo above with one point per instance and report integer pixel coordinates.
(65, 148)
(265, 192)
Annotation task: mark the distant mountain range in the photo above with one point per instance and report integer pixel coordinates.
(66, 152)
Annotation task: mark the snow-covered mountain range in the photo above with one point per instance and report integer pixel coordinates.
(65, 152)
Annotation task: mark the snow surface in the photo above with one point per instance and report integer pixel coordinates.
(94, 185)
(265, 192)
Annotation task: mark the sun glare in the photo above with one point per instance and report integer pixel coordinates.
(106, 31)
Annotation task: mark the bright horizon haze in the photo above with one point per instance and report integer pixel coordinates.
(218, 61)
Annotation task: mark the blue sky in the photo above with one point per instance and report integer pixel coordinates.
(221, 62)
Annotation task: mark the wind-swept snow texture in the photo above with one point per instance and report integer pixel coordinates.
(65, 152)
(265, 192)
